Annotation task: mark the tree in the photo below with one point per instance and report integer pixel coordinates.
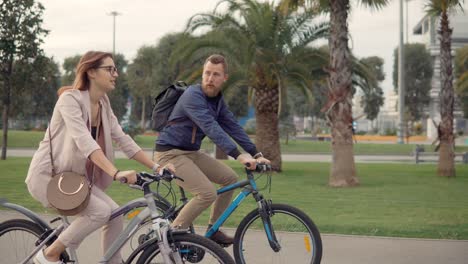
(142, 79)
(34, 91)
(152, 70)
(461, 75)
(372, 74)
(69, 66)
(118, 97)
(273, 57)
(441, 8)
(418, 75)
(237, 99)
(20, 38)
(338, 109)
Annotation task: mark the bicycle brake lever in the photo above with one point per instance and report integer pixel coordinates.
(134, 186)
(177, 178)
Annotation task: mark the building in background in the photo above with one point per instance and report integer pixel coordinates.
(385, 123)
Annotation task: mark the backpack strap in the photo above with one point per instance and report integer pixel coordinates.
(194, 132)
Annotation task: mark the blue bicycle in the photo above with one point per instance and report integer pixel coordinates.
(279, 233)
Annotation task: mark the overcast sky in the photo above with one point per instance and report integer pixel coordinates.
(80, 25)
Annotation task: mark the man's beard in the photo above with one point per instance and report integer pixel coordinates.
(210, 90)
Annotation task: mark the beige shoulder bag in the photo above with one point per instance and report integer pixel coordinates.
(69, 192)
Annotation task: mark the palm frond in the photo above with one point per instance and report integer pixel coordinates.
(374, 4)
(461, 83)
(437, 7)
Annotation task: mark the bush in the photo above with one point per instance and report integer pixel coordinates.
(131, 129)
(390, 132)
(251, 126)
(373, 131)
(418, 128)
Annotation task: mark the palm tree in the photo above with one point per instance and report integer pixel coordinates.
(269, 49)
(338, 109)
(461, 71)
(441, 8)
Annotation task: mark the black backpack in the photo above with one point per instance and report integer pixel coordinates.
(164, 104)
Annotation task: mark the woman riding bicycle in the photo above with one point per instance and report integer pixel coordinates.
(83, 127)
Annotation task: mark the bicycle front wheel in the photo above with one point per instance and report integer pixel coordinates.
(192, 248)
(17, 239)
(295, 232)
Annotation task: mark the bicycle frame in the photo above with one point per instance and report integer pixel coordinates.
(159, 225)
(249, 187)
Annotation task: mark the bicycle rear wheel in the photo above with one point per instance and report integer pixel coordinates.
(17, 239)
(193, 249)
(297, 235)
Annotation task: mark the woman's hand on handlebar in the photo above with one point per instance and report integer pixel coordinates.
(128, 176)
(262, 160)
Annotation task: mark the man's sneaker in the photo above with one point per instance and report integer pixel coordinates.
(221, 238)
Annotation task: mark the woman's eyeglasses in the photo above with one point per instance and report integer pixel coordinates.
(111, 69)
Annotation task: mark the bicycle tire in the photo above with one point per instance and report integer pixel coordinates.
(303, 240)
(190, 246)
(11, 232)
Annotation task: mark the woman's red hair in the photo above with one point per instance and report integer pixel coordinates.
(91, 60)
(63, 89)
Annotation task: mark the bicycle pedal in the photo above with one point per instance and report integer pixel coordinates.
(55, 220)
(224, 245)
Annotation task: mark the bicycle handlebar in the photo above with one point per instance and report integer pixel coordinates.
(261, 167)
(144, 178)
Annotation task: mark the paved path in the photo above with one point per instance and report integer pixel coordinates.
(338, 249)
(286, 157)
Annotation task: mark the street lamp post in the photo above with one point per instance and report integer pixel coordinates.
(401, 88)
(114, 14)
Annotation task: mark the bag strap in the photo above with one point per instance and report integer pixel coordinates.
(50, 151)
(97, 138)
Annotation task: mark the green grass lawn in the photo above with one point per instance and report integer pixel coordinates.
(30, 139)
(393, 200)
(24, 139)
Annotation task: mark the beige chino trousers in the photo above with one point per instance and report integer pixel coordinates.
(94, 216)
(199, 170)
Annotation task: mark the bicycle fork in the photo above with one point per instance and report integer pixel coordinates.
(169, 254)
(264, 209)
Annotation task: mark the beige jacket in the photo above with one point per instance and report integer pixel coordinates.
(72, 142)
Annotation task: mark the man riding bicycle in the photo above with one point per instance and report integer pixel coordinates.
(199, 112)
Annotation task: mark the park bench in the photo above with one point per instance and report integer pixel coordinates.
(419, 153)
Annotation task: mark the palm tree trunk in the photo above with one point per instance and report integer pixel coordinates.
(267, 132)
(143, 114)
(339, 108)
(446, 166)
